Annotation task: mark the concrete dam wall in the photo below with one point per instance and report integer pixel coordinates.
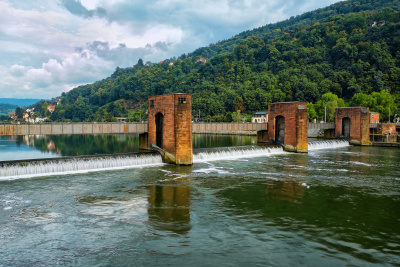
(314, 129)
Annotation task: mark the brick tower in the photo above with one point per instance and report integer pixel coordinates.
(353, 123)
(170, 127)
(287, 125)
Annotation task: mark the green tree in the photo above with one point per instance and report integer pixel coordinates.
(328, 102)
(237, 116)
(228, 117)
(18, 112)
(311, 113)
(379, 102)
(140, 63)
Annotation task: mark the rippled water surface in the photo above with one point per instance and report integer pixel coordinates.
(330, 207)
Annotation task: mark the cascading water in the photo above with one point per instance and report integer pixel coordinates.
(259, 151)
(326, 144)
(235, 153)
(79, 165)
(61, 166)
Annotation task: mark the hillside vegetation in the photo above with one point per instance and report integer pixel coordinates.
(6, 108)
(346, 53)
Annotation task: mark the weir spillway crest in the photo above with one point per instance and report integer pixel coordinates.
(20, 169)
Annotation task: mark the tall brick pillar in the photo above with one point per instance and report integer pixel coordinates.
(287, 124)
(170, 126)
(353, 123)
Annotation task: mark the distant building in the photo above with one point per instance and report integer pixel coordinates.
(11, 115)
(202, 60)
(379, 24)
(121, 119)
(36, 120)
(51, 108)
(374, 117)
(259, 117)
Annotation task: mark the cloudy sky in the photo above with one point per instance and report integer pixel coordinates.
(51, 46)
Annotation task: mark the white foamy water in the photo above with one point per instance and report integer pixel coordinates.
(77, 166)
(92, 165)
(237, 154)
(327, 144)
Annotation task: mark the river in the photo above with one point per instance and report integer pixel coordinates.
(335, 206)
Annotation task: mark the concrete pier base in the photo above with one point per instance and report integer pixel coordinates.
(262, 136)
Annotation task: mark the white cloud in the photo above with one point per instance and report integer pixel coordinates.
(17, 70)
(47, 46)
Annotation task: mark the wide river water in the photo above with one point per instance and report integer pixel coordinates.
(338, 205)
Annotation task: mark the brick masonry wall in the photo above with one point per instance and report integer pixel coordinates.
(177, 125)
(302, 129)
(386, 128)
(295, 114)
(374, 117)
(359, 123)
(183, 130)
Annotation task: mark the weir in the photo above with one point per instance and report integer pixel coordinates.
(52, 166)
(18, 169)
(229, 153)
(169, 128)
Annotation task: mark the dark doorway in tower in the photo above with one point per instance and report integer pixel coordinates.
(159, 130)
(280, 129)
(346, 127)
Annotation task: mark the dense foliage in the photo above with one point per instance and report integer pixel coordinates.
(352, 56)
(6, 108)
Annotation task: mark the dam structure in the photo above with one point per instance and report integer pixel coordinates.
(170, 127)
(62, 128)
(22, 169)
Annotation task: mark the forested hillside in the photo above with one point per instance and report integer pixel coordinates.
(349, 51)
(6, 108)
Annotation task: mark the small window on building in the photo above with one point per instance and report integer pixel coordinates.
(151, 103)
(181, 100)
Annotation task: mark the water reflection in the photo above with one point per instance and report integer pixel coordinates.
(169, 204)
(212, 140)
(75, 145)
(289, 191)
(22, 147)
(41, 146)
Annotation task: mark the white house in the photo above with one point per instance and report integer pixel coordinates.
(259, 117)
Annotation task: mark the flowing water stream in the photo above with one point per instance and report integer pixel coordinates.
(338, 205)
